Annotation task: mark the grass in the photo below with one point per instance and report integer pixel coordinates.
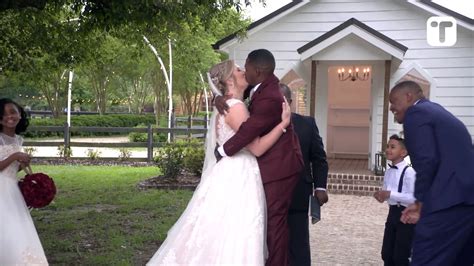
(100, 217)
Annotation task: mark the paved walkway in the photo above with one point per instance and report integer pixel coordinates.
(350, 231)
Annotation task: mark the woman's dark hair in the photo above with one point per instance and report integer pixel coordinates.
(23, 123)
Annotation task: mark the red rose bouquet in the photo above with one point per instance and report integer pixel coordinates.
(38, 189)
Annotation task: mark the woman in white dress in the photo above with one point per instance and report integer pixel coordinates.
(19, 241)
(224, 222)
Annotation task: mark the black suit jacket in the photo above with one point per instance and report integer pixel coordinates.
(315, 165)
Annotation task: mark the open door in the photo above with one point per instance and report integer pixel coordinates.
(348, 115)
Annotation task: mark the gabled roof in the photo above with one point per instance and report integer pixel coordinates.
(424, 3)
(345, 25)
(259, 22)
(454, 14)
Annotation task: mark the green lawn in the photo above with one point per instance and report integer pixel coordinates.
(100, 217)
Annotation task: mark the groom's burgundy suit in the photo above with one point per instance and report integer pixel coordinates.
(279, 166)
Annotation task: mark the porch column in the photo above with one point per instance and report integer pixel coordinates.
(386, 92)
(312, 96)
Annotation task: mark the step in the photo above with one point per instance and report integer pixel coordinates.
(354, 184)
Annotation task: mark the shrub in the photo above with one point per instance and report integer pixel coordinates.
(169, 158)
(187, 155)
(63, 152)
(29, 150)
(108, 120)
(143, 137)
(124, 154)
(93, 154)
(194, 157)
(137, 137)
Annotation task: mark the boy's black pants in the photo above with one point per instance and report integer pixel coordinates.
(397, 239)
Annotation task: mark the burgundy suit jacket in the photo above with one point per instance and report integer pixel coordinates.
(284, 158)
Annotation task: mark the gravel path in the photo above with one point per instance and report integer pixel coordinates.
(350, 231)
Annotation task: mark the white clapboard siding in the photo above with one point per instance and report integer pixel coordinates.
(338, 7)
(451, 68)
(468, 121)
(451, 101)
(445, 63)
(462, 72)
(452, 91)
(400, 15)
(275, 46)
(276, 36)
(455, 82)
(421, 43)
(402, 35)
(438, 53)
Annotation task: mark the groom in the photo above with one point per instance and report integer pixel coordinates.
(281, 164)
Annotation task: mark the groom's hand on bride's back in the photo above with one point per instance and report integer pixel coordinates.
(220, 103)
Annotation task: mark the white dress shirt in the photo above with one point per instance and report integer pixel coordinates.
(254, 89)
(391, 180)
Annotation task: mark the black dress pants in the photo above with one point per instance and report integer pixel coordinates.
(300, 254)
(397, 239)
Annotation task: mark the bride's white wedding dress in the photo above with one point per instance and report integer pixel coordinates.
(19, 241)
(224, 222)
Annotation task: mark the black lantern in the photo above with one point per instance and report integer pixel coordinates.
(380, 162)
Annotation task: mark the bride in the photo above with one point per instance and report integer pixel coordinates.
(224, 222)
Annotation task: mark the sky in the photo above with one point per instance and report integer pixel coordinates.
(257, 11)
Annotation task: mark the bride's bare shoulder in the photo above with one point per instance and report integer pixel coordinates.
(232, 101)
(236, 115)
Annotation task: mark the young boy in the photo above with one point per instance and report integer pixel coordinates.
(398, 189)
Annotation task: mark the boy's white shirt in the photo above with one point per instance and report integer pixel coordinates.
(391, 180)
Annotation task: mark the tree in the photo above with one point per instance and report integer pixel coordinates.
(25, 31)
(134, 76)
(37, 47)
(100, 67)
(102, 41)
(195, 55)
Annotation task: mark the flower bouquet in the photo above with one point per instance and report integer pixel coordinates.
(38, 189)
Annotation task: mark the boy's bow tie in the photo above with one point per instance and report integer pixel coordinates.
(393, 166)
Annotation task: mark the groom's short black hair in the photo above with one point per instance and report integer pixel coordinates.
(262, 58)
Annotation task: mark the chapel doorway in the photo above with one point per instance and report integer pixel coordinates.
(349, 112)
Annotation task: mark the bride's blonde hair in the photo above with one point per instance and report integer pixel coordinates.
(220, 73)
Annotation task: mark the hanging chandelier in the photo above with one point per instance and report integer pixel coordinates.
(353, 74)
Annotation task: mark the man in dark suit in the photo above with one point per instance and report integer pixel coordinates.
(442, 153)
(281, 165)
(312, 180)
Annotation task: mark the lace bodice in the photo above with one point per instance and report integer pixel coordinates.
(8, 146)
(224, 131)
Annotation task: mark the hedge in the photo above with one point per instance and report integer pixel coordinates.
(115, 120)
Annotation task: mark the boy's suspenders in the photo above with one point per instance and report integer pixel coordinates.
(400, 182)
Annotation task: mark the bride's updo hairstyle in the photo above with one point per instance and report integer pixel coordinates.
(220, 73)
